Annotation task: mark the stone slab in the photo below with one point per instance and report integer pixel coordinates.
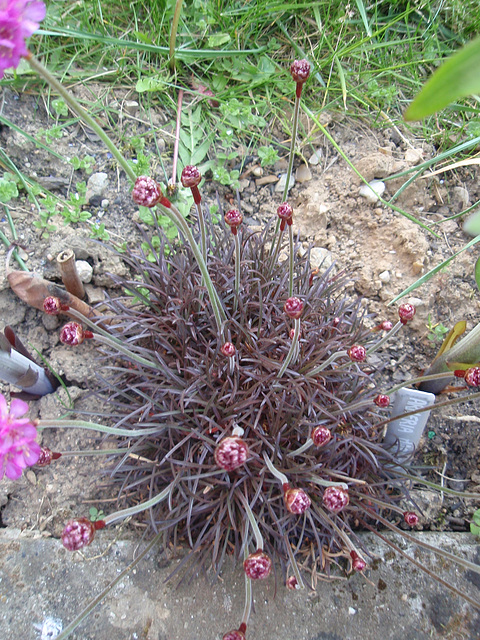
(43, 587)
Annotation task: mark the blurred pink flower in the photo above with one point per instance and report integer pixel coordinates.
(18, 448)
(18, 20)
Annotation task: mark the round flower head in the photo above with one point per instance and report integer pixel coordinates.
(146, 192)
(410, 518)
(285, 211)
(296, 501)
(234, 219)
(53, 306)
(472, 377)
(292, 583)
(190, 176)
(382, 400)
(321, 436)
(258, 565)
(293, 307)
(18, 20)
(300, 70)
(234, 635)
(231, 452)
(406, 312)
(358, 563)
(18, 448)
(386, 325)
(73, 334)
(335, 498)
(78, 533)
(228, 349)
(357, 353)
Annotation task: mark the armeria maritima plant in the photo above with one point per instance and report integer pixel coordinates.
(244, 388)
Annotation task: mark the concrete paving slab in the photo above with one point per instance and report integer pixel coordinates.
(43, 587)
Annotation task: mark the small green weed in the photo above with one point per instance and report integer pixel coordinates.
(475, 524)
(86, 163)
(436, 332)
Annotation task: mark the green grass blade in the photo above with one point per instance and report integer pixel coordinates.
(363, 15)
(457, 77)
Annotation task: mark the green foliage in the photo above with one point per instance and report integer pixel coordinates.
(86, 163)
(436, 332)
(73, 211)
(475, 525)
(458, 77)
(8, 188)
(96, 514)
(99, 232)
(268, 156)
(44, 224)
(60, 107)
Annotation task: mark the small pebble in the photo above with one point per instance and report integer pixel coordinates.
(385, 277)
(84, 270)
(303, 173)
(280, 186)
(316, 157)
(372, 191)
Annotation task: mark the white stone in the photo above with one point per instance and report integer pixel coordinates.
(320, 258)
(373, 191)
(385, 277)
(84, 270)
(315, 157)
(280, 186)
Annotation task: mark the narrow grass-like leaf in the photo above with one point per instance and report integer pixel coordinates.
(363, 14)
(477, 273)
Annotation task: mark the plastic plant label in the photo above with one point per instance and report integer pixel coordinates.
(404, 434)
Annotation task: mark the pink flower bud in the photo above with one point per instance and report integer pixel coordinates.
(410, 518)
(293, 307)
(146, 192)
(53, 306)
(358, 563)
(321, 436)
(234, 635)
(74, 334)
(228, 349)
(357, 353)
(472, 377)
(382, 400)
(335, 498)
(231, 452)
(300, 70)
(258, 565)
(285, 211)
(190, 176)
(406, 312)
(77, 534)
(46, 457)
(234, 219)
(296, 501)
(292, 583)
(386, 325)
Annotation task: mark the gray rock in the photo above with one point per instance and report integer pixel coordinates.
(96, 186)
(320, 258)
(280, 186)
(84, 270)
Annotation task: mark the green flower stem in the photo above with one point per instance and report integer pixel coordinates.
(93, 452)
(131, 511)
(385, 338)
(93, 426)
(173, 33)
(328, 361)
(175, 216)
(247, 610)
(293, 352)
(290, 261)
(434, 376)
(8, 245)
(328, 483)
(301, 449)
(237, 272)
(253, 523)
(203, 233)
(278, 474)
(348, 543)
(81, 113)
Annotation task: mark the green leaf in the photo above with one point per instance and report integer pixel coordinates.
(218, 39)
(456, 78)
(60, 107)
(472, 224)
(8, 190)
(477, 272)
(475, 525)
(153, 83)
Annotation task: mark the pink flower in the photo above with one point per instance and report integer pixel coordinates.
(18, 448)
(18, 20)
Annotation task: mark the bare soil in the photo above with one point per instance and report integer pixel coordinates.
(384, 251)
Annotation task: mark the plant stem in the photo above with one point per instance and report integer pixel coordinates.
(293, 352)
(253, 523)
(290, 261)
(93, 426)
(81, 113)
(173, 34)
(278, 474)
(237, 272)
(8, 245)
(124, 513)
